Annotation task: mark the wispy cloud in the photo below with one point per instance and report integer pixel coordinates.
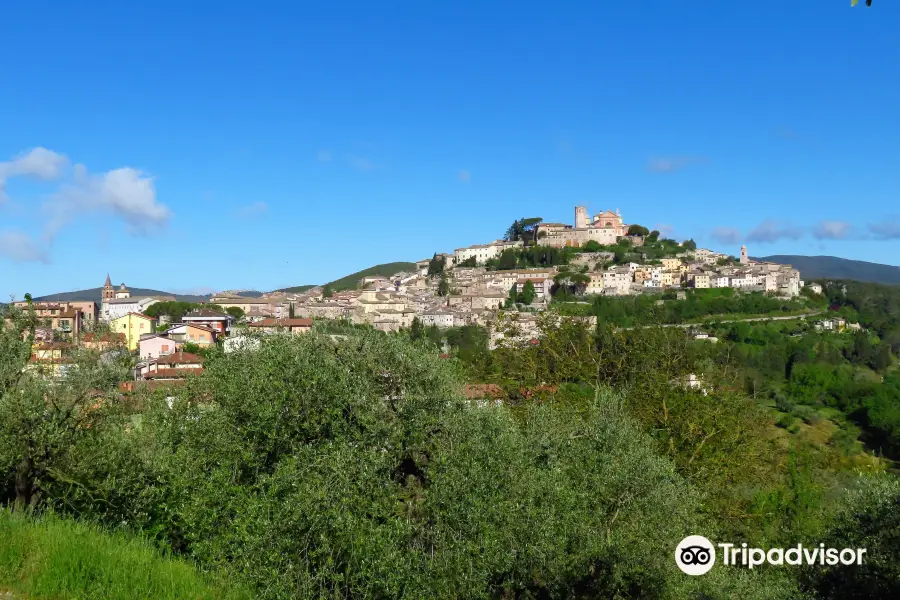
(673, 163)
(465, 176)
(38, 163)
(665, 230)
(726, 235)
(362, 163)
(832, 230)
(324, 156)
(251, 211)
(771, 231)
(20, 247)
(889, 229)
(126, 193)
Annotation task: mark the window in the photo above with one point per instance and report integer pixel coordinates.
(165, 348)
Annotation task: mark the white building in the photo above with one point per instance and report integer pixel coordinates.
(438, 318)
(484, 252)
(119, 307)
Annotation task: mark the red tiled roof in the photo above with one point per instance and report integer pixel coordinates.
(180, 358)
(141, 315)
(172, 373)
(476, 391)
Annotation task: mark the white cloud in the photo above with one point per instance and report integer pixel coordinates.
(832, 230)
(465, 176)
(771, 231)
(673, 163)
(125, 193)
(19, 247)
(889, 229)
(257, 209)
(726, 235)
(38, 163)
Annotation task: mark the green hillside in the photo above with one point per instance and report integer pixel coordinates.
(833, 267)
(96, 295)
(297, 289)
(54, 558)
(351, 281)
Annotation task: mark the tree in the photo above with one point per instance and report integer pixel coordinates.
(689, 244)
(638, 230)
(291, 311)
(237, 312)
(435, 265)
(443, 285)
(469, 262)
(528, 293)
(327, 291)
(654, 235)
(416, 329)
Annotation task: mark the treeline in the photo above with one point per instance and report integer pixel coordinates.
(805, 371)
(649, 309)
(176, 310)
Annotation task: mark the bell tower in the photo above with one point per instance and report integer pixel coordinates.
(109, 292)
(745, 260)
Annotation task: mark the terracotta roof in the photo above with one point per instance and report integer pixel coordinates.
(270, 322)
(193, 326)
(477, 391)
(172, 373)
(53, 346)
(180, 358)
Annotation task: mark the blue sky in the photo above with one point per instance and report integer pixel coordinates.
(214, 145)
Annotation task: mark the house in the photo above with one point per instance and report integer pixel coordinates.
(172, 366)
(815, 288)
(541, 286)
(133, 326)
(195, 334)
(106, 341)
(293, 326)
(156, 345)
(438, 318)
(220, 322)
(57, 319)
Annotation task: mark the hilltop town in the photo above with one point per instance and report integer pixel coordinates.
(536, 263)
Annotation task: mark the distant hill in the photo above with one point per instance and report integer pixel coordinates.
(96, 295)
(297, 289)
(352, 280)
(387, 269)
(832, 267)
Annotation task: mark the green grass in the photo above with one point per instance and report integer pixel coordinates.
(44, 558)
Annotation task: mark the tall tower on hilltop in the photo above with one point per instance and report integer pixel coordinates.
(745, 260)
(109, 292)
(581, 217)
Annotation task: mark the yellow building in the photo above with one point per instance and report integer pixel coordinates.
(132, 326)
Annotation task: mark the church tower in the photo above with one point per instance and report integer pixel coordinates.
(581, 218)
(745, 260)
(109, 292)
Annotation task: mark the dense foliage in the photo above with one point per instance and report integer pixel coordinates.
(354, 467)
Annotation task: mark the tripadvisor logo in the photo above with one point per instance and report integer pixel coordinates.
(696, 555)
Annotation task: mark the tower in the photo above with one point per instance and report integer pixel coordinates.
(581, 218)
(745, 260)
(109, 291)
